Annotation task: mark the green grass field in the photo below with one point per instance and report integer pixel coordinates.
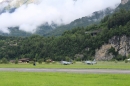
(65, 79)
(77, 65)
(62, 79)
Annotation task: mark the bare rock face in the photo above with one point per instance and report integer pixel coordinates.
(102, 53)
(121, 45)
(17, 3)
(124, 1)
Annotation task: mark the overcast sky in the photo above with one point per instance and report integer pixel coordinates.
(29, 17)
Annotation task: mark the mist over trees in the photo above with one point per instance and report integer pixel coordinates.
(71, 44)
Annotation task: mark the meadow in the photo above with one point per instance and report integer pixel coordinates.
(62, 79)
(77, 65)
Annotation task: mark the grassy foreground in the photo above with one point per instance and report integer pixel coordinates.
(77, 65)
(62, 79)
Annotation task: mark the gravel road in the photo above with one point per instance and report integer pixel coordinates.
(109, 71)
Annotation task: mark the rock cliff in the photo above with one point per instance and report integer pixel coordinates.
(121, 45)
(124, 1)
(17, 3)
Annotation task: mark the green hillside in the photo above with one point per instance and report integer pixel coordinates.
(95, 18)
(71, 44)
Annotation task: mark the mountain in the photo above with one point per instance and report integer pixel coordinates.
(124, 2)
(11, 5)
(95, 18)
(108, 40)
(17, 3)
(124, 5)
(82, 22)
(53, 29)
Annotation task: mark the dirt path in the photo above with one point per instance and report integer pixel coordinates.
(111, 71)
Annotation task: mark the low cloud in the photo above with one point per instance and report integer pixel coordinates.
(29, 17)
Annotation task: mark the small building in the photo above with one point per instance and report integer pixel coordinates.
(93, 33)
(24, 60)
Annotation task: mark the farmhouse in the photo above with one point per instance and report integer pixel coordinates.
(24, 60)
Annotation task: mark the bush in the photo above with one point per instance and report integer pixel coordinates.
(4, 61)
(120, 57)
(40, 61)
(74, 61)
(126, 61)
(16, 61)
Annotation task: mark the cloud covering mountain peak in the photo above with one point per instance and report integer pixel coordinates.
(29, 16)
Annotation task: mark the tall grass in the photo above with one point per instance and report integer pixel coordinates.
(62, 79)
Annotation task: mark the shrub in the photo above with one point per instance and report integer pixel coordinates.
(126, 61)
(40, 61)
(16, 61)
(74, 61)
(4, 61)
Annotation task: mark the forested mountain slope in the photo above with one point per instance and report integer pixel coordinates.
(95, 18)
(78, 43)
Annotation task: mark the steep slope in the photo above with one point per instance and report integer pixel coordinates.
(54, 30)
(125, 5)
(117, 44)
(110, 39)
(95, 18)
(49, 30)
(10, 6)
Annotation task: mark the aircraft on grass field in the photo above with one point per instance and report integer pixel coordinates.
(91, 62)
(65, 63)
